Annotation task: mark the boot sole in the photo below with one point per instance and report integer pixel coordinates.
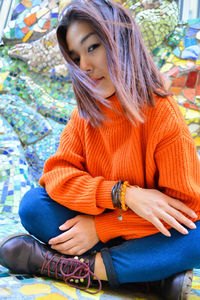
(12, 236)
(186, 287)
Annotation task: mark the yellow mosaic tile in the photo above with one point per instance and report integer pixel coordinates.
(90, 296)
(181, 47)
(195, 278)
(193, 297)
(192, 114)
(197, 141)
(166, 67)
(3, 77)
(181, 63)
(27, 36)
(170, 58)
(35, 289)
(183, 109)
(68, 290)
(181, 44)
(5, 292)
(48, 43)
(53, 296)
(42, 12)
(175, 59)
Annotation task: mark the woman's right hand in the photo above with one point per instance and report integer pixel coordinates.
(156, 207)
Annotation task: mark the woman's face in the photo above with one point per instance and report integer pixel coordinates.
(89, 54)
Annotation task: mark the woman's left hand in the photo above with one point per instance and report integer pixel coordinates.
(80, 236)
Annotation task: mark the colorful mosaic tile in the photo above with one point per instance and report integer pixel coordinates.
(59, 111)
(36, 154)
(15, 178)
(156, 20)
(42, 56)
(30, 20)
(165, 14)
(27, 123)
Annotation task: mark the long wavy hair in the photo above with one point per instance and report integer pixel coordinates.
(134, 74)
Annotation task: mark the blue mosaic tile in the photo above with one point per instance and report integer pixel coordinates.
(15, 175)
(27, 123)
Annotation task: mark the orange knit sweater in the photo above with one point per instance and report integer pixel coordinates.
(159, 153)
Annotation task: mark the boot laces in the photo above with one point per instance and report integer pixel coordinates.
(71, 270)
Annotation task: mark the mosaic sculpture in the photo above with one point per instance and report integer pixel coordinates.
(37, 153)
(30, 20)
(52, 98)
(182, 71)
(156, 22)
(15, 178)
(27, 123)
(42, 55)
(59, 111)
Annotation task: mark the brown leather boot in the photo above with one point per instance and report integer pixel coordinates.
(23, 254)
(177, 287)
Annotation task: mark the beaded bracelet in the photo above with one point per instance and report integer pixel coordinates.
(118, 196)
(124, 186)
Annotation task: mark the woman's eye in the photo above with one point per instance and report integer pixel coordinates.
(76, 60)
(91, 48)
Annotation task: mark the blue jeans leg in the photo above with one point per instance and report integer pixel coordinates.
(41, 216)
(145, 259)
(152, 258)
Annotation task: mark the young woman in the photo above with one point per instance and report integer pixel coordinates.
(122, 192)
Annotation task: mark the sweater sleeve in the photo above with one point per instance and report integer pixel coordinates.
(66, 179)
(173, 157)
(177, 160)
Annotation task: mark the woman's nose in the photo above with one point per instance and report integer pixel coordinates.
(85, 64)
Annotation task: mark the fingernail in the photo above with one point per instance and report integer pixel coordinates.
(185, 231)
(61, 227)
(192, 225)
(194, 215)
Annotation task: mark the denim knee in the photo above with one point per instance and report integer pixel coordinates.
(28, 203)
(28, 207)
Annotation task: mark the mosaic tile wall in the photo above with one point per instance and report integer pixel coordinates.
(36, 100)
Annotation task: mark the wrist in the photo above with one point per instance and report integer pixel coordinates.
(130, 192)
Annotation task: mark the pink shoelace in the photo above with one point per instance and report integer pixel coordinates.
(71, 269)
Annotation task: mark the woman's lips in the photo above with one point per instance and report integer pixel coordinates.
(97, 80)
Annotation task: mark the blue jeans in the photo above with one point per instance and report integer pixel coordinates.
(146, 259)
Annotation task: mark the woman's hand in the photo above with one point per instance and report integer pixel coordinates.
(156, 207)
(80, 236)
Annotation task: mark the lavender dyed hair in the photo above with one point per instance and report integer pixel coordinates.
(132, 69)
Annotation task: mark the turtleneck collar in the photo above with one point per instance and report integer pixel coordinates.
(114, 112)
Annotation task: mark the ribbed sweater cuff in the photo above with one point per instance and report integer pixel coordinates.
(103, 194)
(104, 231)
